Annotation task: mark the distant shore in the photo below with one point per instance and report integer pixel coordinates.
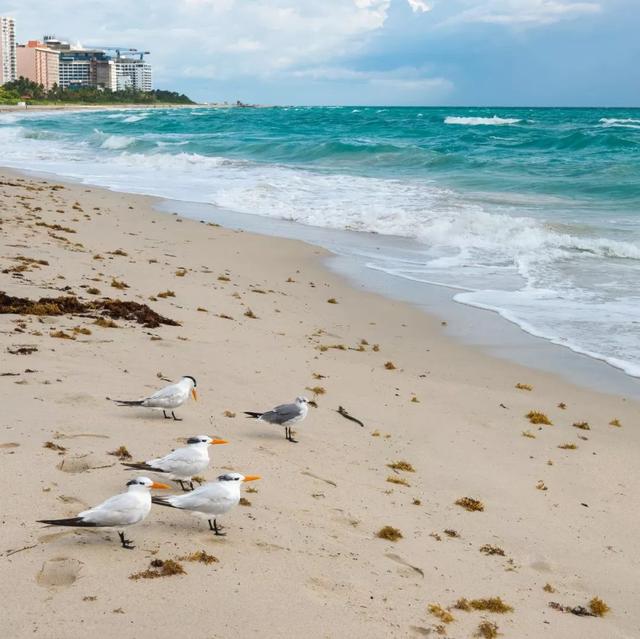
(101, 107)
(261, 321)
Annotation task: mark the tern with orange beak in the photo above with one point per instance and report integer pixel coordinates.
(125, 509)
(184, 463)
(211, 500)
(167, 398)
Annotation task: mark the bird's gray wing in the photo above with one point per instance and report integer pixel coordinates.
(281, 414)
(118, 510)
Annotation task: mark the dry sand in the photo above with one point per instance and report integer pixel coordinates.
(303, 559)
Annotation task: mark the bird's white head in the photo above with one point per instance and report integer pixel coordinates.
(233, 478)
(205, 440)
(144, 483)
(302, 400)
(191, 381)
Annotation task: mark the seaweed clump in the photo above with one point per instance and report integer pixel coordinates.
(402, 465)
(121, 453)
(470, 504)
(438, 611)
(201, 556)
(389, 533)
(160, 568)
(71, 305)
(487, 630)
(490, 604)
(536, 417)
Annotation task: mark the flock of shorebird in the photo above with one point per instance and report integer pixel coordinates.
(210, 500)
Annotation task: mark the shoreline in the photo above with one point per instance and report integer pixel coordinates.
(304, 554)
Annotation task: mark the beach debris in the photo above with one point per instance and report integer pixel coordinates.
(343, 411)
(81, 330)
(541, 485)
(202, 309)
(244, 501)
(317, 390)
(224, 278)
(490, 604)
(119, 252)
(568, 446)
(562, 406)
(526, 387)
(536, 417)
(470, 504)
(250, 489)
(121, 453)
(223, 316)
(166, 294)
(92, 290)
(487, 630)
(201, 556)
(416, 502)
(318, 376)
(119, 284)
(21, 350)
(581, 425)
(449, 532)
(548, 588)
(229, 413)
(415, 400)
(402, 465)
(56, 447)
(597, 608)
(616, 423)
(181, 272)
(332, 300)
(375, 348)
(389, 533)
(160, 568)
(61, 335)
(488, 549)
(390, 366)
(528, 433)
(394, 479)
(249, 313)
(438, 611)
(71, 305)
(105, 323)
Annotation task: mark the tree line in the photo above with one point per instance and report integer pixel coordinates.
(28, 91)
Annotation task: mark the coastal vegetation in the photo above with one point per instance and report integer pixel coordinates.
(23, 90)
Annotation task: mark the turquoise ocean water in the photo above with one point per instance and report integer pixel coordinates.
(532, 213)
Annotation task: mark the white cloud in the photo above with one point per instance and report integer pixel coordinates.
(523, 12)
(419, 6)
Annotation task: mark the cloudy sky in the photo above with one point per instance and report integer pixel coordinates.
(462, 52)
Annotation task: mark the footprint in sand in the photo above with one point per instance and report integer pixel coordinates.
(59, 571)
(80, 464)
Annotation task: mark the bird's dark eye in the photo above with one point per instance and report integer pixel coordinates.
(236, 478)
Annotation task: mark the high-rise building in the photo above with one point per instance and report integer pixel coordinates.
(38, 63)
(8, 71)
(133, 74)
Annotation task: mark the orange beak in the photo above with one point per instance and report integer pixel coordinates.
(194, 393)
(159, 485)
(219, 441)
(252, 477)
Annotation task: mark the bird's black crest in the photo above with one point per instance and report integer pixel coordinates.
(195, 384)
(133, 482)
(226, 478)
(195, 440)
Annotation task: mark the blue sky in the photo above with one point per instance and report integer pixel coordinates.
(462, 52)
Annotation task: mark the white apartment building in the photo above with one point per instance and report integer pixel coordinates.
(8, 68)
(133, 74)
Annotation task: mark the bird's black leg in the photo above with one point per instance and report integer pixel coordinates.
(216, 529)
(191, 484)
(289, 435)
(126, 543)
(164, 412)
(182, 485)
(178, 419)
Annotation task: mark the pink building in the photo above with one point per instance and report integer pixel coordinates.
(38, 63)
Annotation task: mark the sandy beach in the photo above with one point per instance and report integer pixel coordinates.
(261, 321)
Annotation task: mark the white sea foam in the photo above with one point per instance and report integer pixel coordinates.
(626, 123)
(477, 121)
(116, 142)
(135, 118)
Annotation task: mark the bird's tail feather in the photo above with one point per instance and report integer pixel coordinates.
(128, 402)
(161, 501)
(249, 413)
(143, 466)
(72, 521)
